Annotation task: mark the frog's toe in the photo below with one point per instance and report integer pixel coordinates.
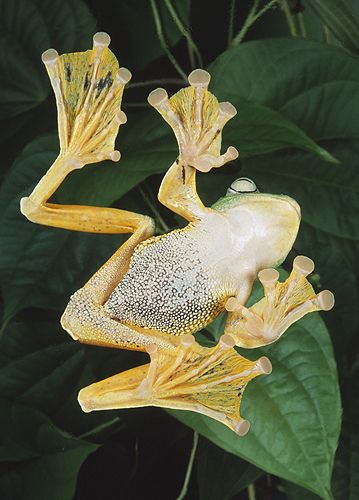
(88, 87)
(197, 120)
(325, 300)
(206, 162)
(209, 381)
(282, 305)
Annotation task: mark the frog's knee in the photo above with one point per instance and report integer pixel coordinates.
(28, 208)
(77, 314)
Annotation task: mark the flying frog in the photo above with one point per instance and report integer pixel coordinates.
(155, 292)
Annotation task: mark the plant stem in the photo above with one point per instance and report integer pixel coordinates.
(158, 81)
(100, 428)
(161, 37)
(135, 105)
(5, 322)
(193, 49)
(232, 9)
(326, 33)
(289, 18)
(251, 492)
(251, 19)
(184, 489)
(302, 28)
(246, 25)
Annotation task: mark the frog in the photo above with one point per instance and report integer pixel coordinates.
(157, 291)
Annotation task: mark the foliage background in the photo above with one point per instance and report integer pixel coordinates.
(294, 76)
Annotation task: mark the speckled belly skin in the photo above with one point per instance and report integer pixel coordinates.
(169, 285)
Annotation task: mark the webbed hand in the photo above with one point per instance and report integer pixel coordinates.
(197, 120)
(88, 87)
(282, 305)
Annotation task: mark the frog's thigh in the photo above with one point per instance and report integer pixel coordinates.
(85, 318)
(90, 323)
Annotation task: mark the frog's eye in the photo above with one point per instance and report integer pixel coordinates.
(242, 185)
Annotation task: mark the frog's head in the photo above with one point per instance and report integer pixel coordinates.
(263, 226)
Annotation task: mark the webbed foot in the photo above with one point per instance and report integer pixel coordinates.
(282, 305)
(197, 120)
(209, 381)
(88, 87)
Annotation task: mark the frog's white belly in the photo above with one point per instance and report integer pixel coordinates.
(170, 286)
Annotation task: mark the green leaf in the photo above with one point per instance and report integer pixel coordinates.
(28, 28)
(134, 29)
(346, 472)
(46, 460)
(341, 19)
(221, 475)
(294, 412)
(329, 200)
(42, 367)
(259, 130)
(314, 85)
(66, 259)
(295, 492)
(327, 194)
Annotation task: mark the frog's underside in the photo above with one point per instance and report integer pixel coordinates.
(154, 292)
(174, 284)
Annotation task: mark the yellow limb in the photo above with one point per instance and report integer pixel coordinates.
(282, 305)
(210, 381)
(197, 120)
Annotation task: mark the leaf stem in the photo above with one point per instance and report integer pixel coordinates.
(251, 492)
(100, 428)
(184, 489)
(252, 17)
(289, 18)
(158, 81)
(326, 33)
(161, 37)
(135, 105)
(5, 322)
(303, 30)
(232, 8)
(193, 48)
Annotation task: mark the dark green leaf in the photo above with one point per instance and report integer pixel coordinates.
(221, 475)
(66, 259)
(28, 28)
(295, 492)
(42, 367)
(135, 29)
(294, 412)
(313, 84)
(328, 195)
(259, 129)
(346, 472)
(329, 198)
(46, 459)
(341, 19)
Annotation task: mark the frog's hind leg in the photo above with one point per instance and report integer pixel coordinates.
(88, 88)
(209, 381)
(197, 120)
(282, 305)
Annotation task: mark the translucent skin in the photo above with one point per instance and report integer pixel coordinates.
(155, 291)
(179, 282)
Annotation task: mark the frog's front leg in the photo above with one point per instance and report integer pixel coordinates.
(209, 381)
(197, 120)
(282, 305)
(88, 87)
